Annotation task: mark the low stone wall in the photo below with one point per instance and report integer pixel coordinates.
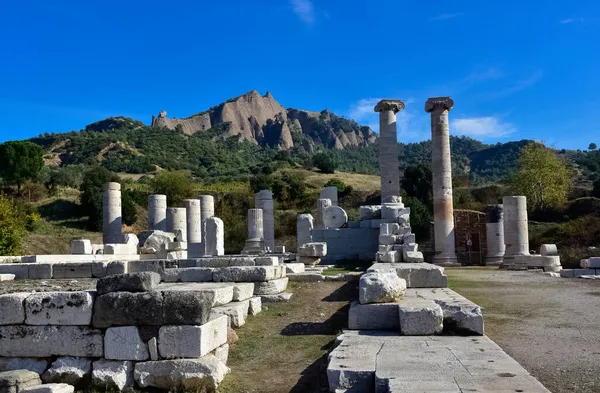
(348, 243)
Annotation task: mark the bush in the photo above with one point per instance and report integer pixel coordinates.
(92, 189)
(129, 211)
(260, 182)
(420, 218)
(290, 188)
(596, 189)
(324, 163)
(583, 206)
(343, 188)
(177, 186)
(12, 228)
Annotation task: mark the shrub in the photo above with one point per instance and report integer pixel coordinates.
(343, 188)
(92, 188)
(177, 186)
(12, 228)
(129, 211)
(420, 218)
(324, 163)
(261, 181)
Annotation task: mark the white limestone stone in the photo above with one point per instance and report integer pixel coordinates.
(222, 353)
(271, 287)
(376, 316)
(387, 240)
(394, 212)
(7, 277)
(157, 212)
(389, 256)
(516, 232)
(380, 287)
(335, 217)
(412, 256)
(182, 374)
(322, 206)
(548, 250)
(386, 248)
(176, 246)
(308, 261)
(193, 220)
(247, 273)
(417, 275)
(266, 261)
(59, 308)
(242, 291)
(389, 229)
(388, 147)
(49, 388)
(495, 234)
(81, 247)
(156, 239)
(124, 343)
(46, 341)
(235, 311)
(31, 364)
(12, 308)
(330, 193)
(409, 238)
(153, 348)
(264, 201)
(371, 212)
(214, 238)
(279, 298)
(593, 263)
(177, 221)
(420, 318)
(68, 370)
(254, 305)
(295, 267)
(304, 227)
(113, 375)
(314, 249)
(111, 213)
(192, 341)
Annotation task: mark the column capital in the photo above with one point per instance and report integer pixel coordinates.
(439, 103)
(389, 105)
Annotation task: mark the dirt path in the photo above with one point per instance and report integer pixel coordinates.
(549, 325)
(284, 348)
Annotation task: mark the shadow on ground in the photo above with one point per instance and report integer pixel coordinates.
(346, 293)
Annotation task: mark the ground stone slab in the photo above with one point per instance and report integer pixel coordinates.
(50, 388)
(31, 364)
(59, 308)
(17, 380)
(306, 277)
(7, 277)
(254, 305)
(222, 353)
(186, 374)
(124, 343)
(315, 249)
(417, 275)
(422, 318)
(272, 287)
(68, 370)
(130, 282)
(46, 341)
(12, 309)
(247, 273)
(110, 375)
(279, 298)
(192, 341)
(189, 274)
(380, 287)
(222, 293)
(295, 267)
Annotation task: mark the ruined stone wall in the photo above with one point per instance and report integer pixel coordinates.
(470, 224)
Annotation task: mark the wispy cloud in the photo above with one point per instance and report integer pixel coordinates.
(571, 20)
(305, 10)
(518, 85)
(447, 16)
(479, 76)
(482, 127)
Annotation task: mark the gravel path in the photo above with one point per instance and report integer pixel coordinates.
(549, 325)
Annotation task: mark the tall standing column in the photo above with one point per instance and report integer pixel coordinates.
(495, 234)
(215, 236)
(255, 241)
(207, 210)
(264, 201)
(388, 149)
(516, 228)
(111, 214)
(157, 212)
(194, 227)
(177, 222)
(443, 210)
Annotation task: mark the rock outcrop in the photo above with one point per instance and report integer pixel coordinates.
(262, 120)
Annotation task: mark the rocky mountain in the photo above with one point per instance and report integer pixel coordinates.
(263, 121)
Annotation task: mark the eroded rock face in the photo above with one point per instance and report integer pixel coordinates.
(15, 381)
(68, 370)
(381, 287)
(112, 375)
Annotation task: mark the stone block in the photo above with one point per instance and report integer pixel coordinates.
(153, 348)
(31, 364)
(128, 309)
(124, 343)
(254, 305)
(386, 248)
(548, 250)
(68, 370)
(7, 277)
(41, 271)
(295, 267)
(593, 263)
(46, 341)
(242, 291)
(49, 388)
(113, 375)
(99, 269)
(239, 261)
(155, 239)
(389, 256)
(279, 298)
(190, 274)
(17, 380)
(59, 308)
(271, 287)
(380, 287)
(129, 282)
(20, 270)
(420, 318)
(236, 311)
(246, 273)
(314, 249)
(192, 341)
(306, 277)
(12, 308)
(182, 374)
(266, 261)
(417, 275)
(371, 212)
(117, 267)
(72, 270)
(81, 247)
(389, 229)
(222, 353)
(308, 261)
(196, 250)
(462, 318)
(153, 265)
(412, 256)
(409, 238)
(387, 239)
(187, 308)
(176, 246)
(379, 316)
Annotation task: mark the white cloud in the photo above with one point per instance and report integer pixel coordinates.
(482, 127)
(571, 20)
(305, 10)
(447, 16)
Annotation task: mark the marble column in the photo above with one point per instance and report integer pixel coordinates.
(207, 210)
(214, 239)
(194, 227)
(304, 227)
(177, 222)
(111, 214)
(516, 228)
(388, 149)
(264, 201)
(157, 212)
(495, 234)
(322, 205)
(255, 241)
(443, 209)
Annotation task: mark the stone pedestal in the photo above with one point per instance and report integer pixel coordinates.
(388, 148)
(194, 227)
(264, 201)
(255, 242)
(304, 227)
(177, 223)
(322, 206)
(214, 239)
(111, 214)
(495, 234)
(157, 212)
(516, 228)
(443, 210)
(330, 193)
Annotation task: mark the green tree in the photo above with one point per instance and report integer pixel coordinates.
(420, 218)
(129, 211)
(324, 163)
(20, 161)
(596, 189)
(177, 186)
(12, 228)
(92, 189)
(542, 177)
(592, 146)
(417, 183)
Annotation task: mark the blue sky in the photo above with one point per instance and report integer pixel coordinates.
(516, 69)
